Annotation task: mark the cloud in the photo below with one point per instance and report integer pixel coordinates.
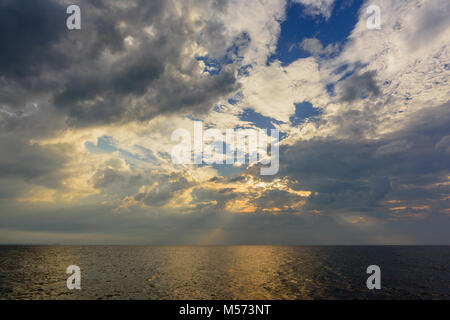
(98, 75)
(114, 172)
(358, 87)
(86, 119)
(357, 174)
(27, 31)
(315, 47)
(318, 7)
(33, 163)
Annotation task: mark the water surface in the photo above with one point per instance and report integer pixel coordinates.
(224, 272)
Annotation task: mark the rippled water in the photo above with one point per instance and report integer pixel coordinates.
(229, 272)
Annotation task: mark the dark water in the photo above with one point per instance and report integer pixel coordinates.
(229, 272)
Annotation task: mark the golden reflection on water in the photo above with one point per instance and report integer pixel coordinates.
(253, 272)
(232, 272)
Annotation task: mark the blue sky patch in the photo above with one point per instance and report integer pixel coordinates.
(330, 89)
(105, 144)
(235, 99)
(228, 170)
(303, 112)
(242, 40)
(258, 119)
(244, 71)
(356, 67)
(212, 66)
(299, 26)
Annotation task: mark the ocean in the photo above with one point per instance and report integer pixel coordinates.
(225, 272)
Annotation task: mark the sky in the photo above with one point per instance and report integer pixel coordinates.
(87, 117)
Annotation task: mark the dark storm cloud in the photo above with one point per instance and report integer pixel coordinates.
(107, 177)
(104, 96)
(92, 76)
(161, 189)
(356, 174)
(358, 87)
(202, 197)
(29, 34)
(28, 30)
(51, 77)
(237, 179)
(33, 163)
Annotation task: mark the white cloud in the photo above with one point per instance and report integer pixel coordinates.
(318, 7)
(409, 54)
(273, 90)
(258, 19)
(315, 47)
(410, 73)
